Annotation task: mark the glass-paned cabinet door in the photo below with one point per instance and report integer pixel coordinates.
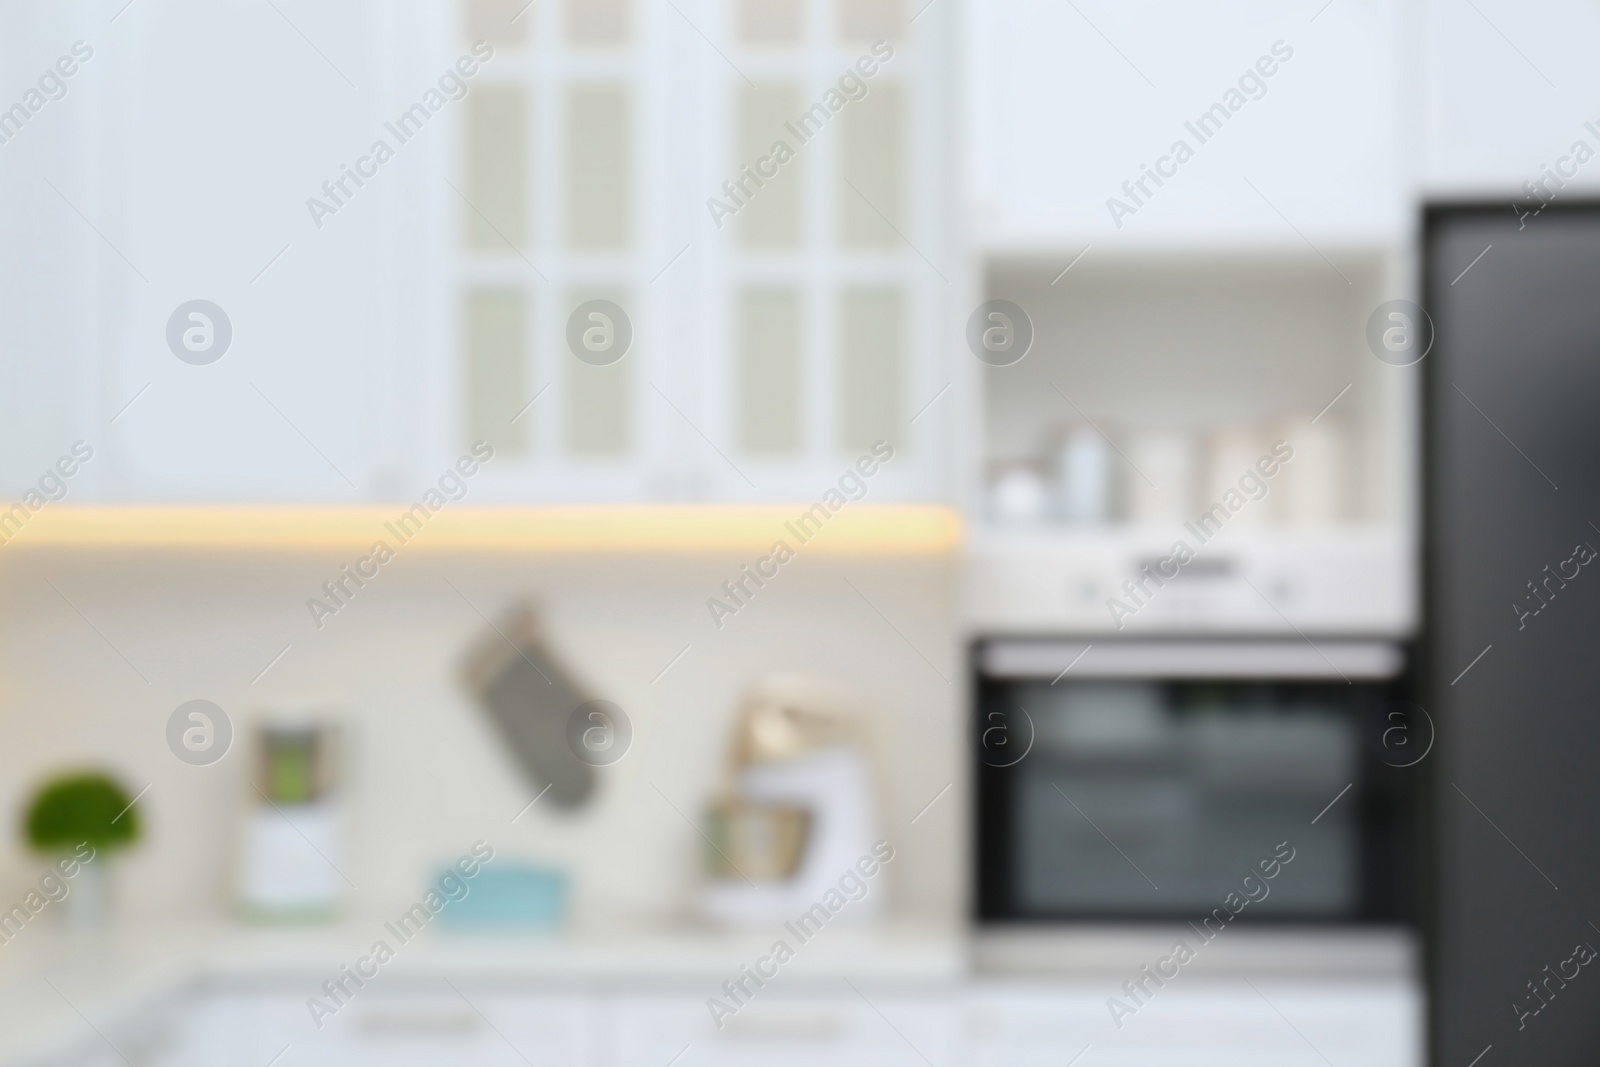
(700, 249)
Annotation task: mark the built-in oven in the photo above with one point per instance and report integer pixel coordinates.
(1197, 781)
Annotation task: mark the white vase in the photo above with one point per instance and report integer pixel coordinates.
(89, 896)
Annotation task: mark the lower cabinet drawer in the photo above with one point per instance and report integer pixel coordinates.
(1201, 1022)
(427, 1023)
(838, 1029)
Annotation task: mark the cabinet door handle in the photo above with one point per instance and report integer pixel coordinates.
(390, 1022)
(814, 1026)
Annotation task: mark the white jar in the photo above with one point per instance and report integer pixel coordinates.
(1083, 477)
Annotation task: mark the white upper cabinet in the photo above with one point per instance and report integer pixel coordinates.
(1509, 97)
(1270, 124)
(566, 229)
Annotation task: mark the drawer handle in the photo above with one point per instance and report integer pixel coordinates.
(420, 1022)
(816, 1026)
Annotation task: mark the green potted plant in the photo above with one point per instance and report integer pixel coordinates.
(86, 816)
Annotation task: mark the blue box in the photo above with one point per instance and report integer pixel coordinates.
(509, 894)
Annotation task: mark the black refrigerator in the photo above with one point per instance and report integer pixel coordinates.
(1512, 607)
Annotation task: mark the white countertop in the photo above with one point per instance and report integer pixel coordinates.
(51, 980)
(53, 983)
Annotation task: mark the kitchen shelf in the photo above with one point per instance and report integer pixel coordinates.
(651, 529)
(1197, 363)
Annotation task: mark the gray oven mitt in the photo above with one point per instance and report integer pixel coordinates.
(530, 698)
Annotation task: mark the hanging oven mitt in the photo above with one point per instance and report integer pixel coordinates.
(530, 697)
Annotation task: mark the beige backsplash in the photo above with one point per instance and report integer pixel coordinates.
(425, 775)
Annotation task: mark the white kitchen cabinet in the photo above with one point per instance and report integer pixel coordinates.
(839, 1027)
(1068, 101)
(1507, 97)
(372, 342)
(485, 1023)
(777, 333)
(397, 1023)
(1198, 1021)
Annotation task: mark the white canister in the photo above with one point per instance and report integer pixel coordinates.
(1162, 482)
(1083, 475)
(1232, 478)
(1314, 486)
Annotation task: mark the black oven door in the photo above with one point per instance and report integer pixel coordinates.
(1145, 780)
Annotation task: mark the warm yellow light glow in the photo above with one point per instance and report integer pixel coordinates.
(861, 529)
